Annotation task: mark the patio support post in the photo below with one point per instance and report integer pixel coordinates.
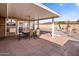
(6, 21)
(29, 26)
(38, 24)
(16, 26)
(33, 25)
(53, 28)
(38, 30)
(6, 26)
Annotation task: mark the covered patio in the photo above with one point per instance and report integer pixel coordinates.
(27, 17)
(29, 14)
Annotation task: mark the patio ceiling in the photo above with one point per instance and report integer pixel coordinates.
(22, 11)
(35, 11)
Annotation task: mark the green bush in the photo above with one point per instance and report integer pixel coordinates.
(61, 22)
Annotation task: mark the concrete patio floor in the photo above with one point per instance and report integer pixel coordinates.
(37, 47)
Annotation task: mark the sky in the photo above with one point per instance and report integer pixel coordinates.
(68, 11)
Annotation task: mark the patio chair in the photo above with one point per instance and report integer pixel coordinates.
(23, 35)
(34, 34)
(31, 33)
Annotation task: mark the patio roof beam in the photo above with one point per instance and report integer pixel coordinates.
(20, 18)
(32, 19)
(45, 18)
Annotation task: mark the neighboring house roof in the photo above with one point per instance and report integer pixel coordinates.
(33, 10)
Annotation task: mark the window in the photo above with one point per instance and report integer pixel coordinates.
(11, 22)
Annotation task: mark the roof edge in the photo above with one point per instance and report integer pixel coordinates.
(45, 7)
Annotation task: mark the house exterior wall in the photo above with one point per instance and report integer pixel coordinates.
(2, 27)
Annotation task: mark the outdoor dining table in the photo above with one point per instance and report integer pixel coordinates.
(28, 34)
(24, 34)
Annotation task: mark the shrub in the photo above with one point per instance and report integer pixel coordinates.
(61, 22)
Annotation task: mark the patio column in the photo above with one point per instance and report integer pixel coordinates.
(38, 24)
(29, 23)
(53, 28)
(33, 25)
(6, 22)
(38, 30)
(29, 26)
(6, 27)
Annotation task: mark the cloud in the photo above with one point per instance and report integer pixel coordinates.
(77, 4)
(61, 4)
